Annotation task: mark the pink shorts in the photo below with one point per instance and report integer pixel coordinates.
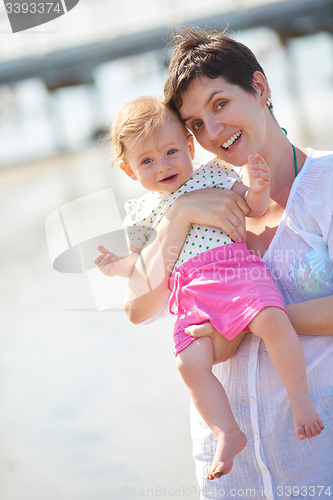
(226, 285)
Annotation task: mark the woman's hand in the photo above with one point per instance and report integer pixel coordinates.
(215, 207)
(224, 349)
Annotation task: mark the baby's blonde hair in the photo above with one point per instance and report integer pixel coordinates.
(137, 119)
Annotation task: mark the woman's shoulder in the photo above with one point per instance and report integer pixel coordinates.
(317, 172)
(320, 155)
(318, 163)
(312, 191)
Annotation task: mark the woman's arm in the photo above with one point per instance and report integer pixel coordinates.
(148, 288)
(312, 317)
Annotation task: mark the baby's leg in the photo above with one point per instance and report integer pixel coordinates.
(286, 353)
(195, 366)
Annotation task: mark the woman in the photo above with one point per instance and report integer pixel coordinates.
(221, 93)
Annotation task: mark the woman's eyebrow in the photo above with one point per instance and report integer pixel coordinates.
(210, 97)
(213, 94)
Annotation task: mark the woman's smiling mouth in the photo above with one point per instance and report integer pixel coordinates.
(232, 140)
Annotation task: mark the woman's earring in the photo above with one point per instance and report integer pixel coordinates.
(269, 103)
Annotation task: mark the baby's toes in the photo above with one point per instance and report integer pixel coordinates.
(210, 475)
(218, 472)
(319, 426)
(300, 432)
(308, 431)
(314, 430)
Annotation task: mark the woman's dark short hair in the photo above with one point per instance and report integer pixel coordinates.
(208, 53)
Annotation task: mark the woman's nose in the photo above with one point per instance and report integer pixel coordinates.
(213, 128)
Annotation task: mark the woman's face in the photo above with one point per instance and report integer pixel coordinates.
(225, 119)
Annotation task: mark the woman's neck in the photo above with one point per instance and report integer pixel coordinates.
(280, 159)
(279, 156)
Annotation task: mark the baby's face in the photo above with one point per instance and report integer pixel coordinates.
(162, 161)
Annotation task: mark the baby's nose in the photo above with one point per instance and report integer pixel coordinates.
(164, 165)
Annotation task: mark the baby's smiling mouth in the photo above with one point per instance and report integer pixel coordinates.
(169, 179)
(232, 140)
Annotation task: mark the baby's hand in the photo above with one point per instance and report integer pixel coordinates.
(259, 173)
(108, 263)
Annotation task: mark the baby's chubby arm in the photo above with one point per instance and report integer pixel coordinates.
(111, 264)
(257, 196)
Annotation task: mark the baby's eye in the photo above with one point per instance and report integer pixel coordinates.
(221, 105)
(171, 151)
(197, 125)
(146, 161)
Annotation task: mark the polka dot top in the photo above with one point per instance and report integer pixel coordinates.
(144, 214)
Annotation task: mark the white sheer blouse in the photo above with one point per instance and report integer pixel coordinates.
(274, 463)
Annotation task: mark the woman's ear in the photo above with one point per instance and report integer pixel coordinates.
(127, 169)
(261, 84)
(190, 143)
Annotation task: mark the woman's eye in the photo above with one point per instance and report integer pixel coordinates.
(171, 151)
(221, 105)
(197, 125)
(146, 161)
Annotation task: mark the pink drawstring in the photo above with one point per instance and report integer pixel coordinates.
(175, 295)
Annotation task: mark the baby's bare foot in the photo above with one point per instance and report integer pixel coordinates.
(307, 421)
(229, 444)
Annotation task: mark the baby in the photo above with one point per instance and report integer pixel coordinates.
(214, 279)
